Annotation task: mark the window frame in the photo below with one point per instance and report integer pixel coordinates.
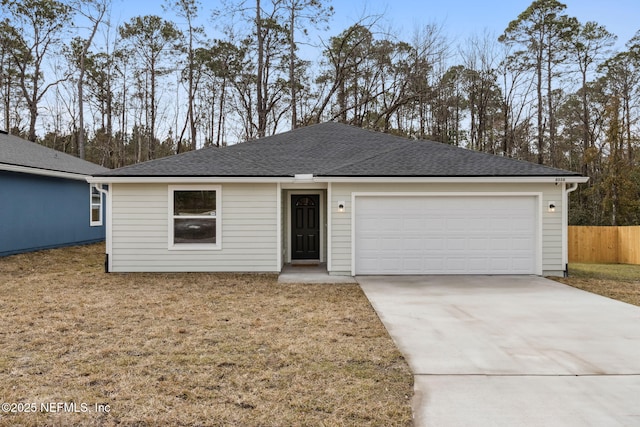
(172, 246)
(92, 206)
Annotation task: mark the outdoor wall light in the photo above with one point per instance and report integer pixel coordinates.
(341, 206)
(552, 207)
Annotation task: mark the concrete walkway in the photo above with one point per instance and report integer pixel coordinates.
(512, 350)
(310, 274)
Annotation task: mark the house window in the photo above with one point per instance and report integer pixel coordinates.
(194, 217)
(96, 206)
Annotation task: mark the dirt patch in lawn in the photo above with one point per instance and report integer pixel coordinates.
(82, 347)
(617, 281)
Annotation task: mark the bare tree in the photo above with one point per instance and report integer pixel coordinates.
(188, 10)
(94, 11)
(8, 74)
(541, 31)
(480, 59)
(36, 31)
(343, 53)
(431, 50)
(301, 12)
(151, 38)
(589, 47)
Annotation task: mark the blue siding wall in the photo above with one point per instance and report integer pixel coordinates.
(39, 212)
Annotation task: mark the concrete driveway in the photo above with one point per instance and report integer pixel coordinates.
(512, 350)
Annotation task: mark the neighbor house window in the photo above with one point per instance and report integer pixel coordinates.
(194, 217)
(96, 206)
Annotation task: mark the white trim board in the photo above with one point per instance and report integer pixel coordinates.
(316, 182)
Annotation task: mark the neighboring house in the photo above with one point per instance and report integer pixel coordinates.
(360, 201)
(46, 200)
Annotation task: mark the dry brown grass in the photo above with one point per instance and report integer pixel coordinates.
(617, 281)
(191, 349)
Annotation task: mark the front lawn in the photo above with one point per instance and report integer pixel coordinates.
(189, 349)
(617, 281)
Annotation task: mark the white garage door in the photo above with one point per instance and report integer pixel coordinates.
(445, 234)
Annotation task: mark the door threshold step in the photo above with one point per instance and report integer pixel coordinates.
(305, 262)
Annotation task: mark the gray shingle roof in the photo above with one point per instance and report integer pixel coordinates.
(337, 150)
(16, 151)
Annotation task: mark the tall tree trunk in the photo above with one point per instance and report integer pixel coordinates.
(505, 123)
(152, 106)
(262, 113)
(81, 142)
(33, 117)
(292, 65)
(123, 124)
(628, 134)
(83, 55)
(220, 112)
(7, 104)
(342, 99)
(192, 89)
(553, 152)
(540, 106)
(586, 134)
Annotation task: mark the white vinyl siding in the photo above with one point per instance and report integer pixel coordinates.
(341, 231)
(141, 231)
(138, 216)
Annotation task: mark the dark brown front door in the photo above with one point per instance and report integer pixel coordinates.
(305, 226)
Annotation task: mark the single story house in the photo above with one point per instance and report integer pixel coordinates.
(360, 201)
(46, 200)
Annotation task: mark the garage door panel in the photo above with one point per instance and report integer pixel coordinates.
(435, 244)
(501, 266)
(479, 244)
(478, 264)
(521, 264)
(391, 245)
(497, 244)
(368, 265)
(365, 245)
(445, 235)
(521, 224)
(388, 264)
(433, 224)
(456, 244)
(412, 264)
(414, 224)
(389, 224)
(368, 224)
(459, 223)
(522, 244)
(413, 244)
(433, 264)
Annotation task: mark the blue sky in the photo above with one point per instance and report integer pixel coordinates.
(458, 18)
(461, 18)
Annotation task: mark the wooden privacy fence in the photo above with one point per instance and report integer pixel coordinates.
(615, 245)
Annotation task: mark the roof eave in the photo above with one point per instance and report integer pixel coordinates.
(339, 179)
(44, 172)
(460, 179)
(193, 179)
